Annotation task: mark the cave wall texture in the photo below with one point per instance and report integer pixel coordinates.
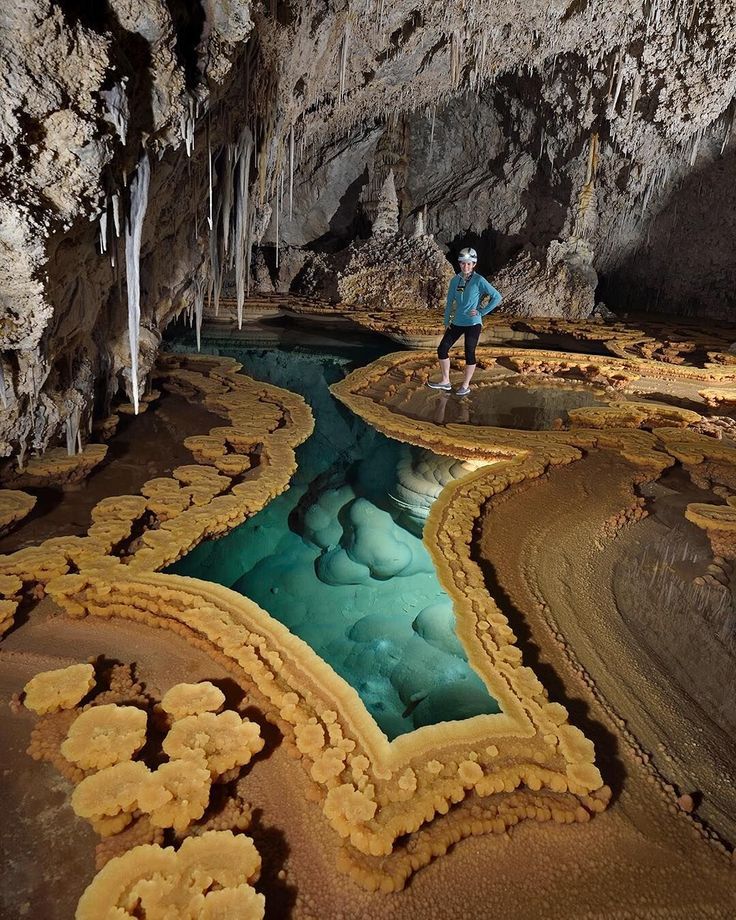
(509, 125)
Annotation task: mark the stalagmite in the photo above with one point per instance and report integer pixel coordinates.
(133, 229)
(419, 226)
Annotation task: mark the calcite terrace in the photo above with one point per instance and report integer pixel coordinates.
(526, 761)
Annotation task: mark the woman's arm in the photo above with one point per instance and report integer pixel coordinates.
(494, 297)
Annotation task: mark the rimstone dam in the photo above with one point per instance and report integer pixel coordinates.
(368, 459)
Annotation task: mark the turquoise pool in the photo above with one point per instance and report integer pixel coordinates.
(339, 559)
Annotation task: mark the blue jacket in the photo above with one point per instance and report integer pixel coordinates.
(476, 289)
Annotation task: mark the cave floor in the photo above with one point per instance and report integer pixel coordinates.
(642, 857)
(144, 446)
(637, 859)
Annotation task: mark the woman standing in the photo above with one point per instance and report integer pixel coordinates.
(467, 289)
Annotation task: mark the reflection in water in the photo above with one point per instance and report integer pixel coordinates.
(503, 405)
(339, 558)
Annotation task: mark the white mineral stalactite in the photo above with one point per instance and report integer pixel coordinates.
(344, 51)
(72, 431)
(227, 196)
(199, 287)
(209, 181)
(291, 172)
(116, 213)
(187, 126)
(634, 97)
(242, 221)
(3, 388)
(133, 230)
(103, 231)
(619, 84)
(216, 260)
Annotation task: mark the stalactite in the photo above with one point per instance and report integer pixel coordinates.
(103, 231)
(454, 60)
(116, 213)
(344, 50)
(199, 286)
(242, 221)
(619, 84)
(72, 430)
(187, 121)
(133, 229)
(209, 176)
(634, 97)
(291, 172)
(729, 127)
(3, 388)
(227, 195)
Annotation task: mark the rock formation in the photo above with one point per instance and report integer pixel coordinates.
(605, 126)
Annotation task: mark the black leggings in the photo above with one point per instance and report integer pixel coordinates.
(453, 333)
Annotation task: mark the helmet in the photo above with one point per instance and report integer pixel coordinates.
(468, 255)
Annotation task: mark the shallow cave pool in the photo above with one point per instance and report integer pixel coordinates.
(339, 558)
(508, 403)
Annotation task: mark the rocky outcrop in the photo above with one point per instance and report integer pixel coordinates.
(510, 128)
(561, 286)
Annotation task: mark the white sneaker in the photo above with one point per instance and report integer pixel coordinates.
(439, 386)
(462, 391)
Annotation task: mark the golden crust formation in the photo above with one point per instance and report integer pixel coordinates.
(192, 699)
(57, 467)
(105, 735)
(62, 688)
(525, 761)
(222, 741)
(374, 791)
(208, 876)
(14, 506)
(632, 415)
(719, 523)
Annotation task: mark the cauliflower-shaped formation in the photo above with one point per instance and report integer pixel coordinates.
(310, 737)
(348, 807)
(111, 790)
(105, 735)
(408, 780)
(241, 903)
(328, 765)
(176, 794)
(191, 699)
(470, 773)
(159, 883)
(63, 688)
(225, 740)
